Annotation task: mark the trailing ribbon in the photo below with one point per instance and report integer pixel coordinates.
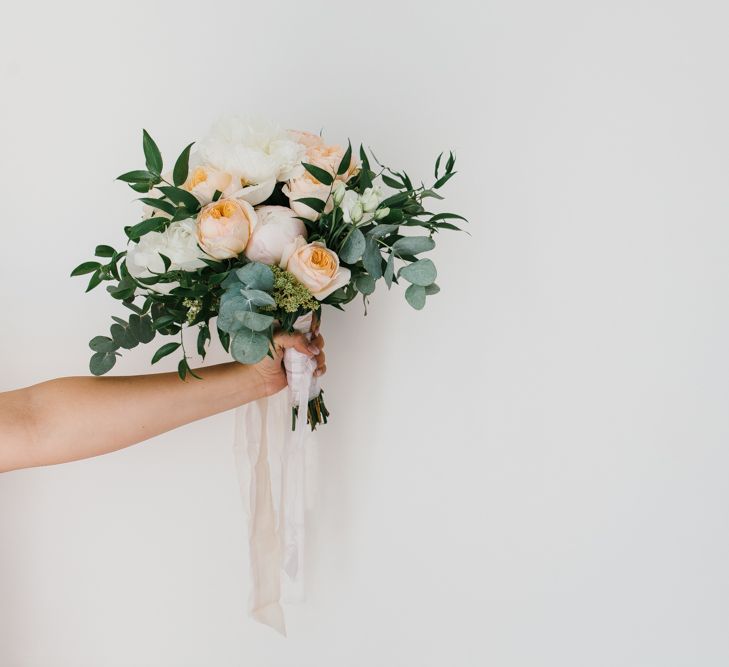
(271, 462)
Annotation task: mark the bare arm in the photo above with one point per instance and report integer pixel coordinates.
(78, 417)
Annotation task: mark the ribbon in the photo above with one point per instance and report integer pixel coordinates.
(271, 463)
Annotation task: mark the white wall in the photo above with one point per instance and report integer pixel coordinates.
(532, 471)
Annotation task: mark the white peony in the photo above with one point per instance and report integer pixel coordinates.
(178, 242)
(256, 150)
(278, 227)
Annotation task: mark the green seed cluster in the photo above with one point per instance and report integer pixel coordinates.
(289, 294)
(194, 306)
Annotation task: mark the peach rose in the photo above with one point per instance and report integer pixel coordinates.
(307, 186)
(277, 228)
(329, 157)
(204, 180)
(307, 139)
(316, 267)
(224, 227)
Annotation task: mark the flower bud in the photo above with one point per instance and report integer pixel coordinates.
(382, 213)
(338, 191)
(356, 212)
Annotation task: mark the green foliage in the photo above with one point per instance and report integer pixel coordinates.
(249, 298)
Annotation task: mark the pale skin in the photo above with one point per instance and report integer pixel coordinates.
(79, 417)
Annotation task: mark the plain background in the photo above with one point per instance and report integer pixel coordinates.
(530, 472)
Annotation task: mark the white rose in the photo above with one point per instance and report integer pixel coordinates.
(277, 228)
(178, 242)
(256, 150)
(371, 198)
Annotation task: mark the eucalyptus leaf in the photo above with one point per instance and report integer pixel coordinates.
(365, 283)
(256, 276)
(123, 336)
(249, 347)
(378, 231)
(353, 246)
(258, 298)
(389, 271)
(254, 321)
(103, 344)
(412, 245)
(421, 273)
(372, 259)
(415, 296)
(102, 362)
(432, 289)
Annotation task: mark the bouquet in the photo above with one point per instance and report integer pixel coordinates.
(256, 228)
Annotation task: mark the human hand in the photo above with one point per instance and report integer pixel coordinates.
(271, 370)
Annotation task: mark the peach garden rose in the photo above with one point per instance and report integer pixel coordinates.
(224, 227)
(316, 267)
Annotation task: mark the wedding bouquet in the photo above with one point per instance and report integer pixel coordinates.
(253, 229)
(256, 227)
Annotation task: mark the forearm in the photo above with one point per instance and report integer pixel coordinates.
(78, 417)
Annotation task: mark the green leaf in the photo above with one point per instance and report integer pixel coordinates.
(257, 276)
(160, 204)
(372, 259)
(164, 321)
(346, 160)
(451, 162)
(179, 173)
(415, 296)
(167, 348)
(437, 166)
(104, 251)
(378, 231)
(395, 200)
(353, 246)
(389, 271)
(156, 224)
(249, 347)
(95, 280)
(142, 328)
(123, 336)
(321, 175)
(102, 344)
(393, 183)
(258, 298)
(365, 283)
(151, 153)
(443, 180)
(432, 289)
(203, 337)
(85, 267)
(102, 362)
(421, 273)
(412, 245)
(180, 196)
(447, 216)
(138, 176)
(313, 203)
(254, 321)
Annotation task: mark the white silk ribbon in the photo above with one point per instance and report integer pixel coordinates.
(271, 463)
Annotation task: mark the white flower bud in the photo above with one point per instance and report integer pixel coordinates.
(382, 213)
(370, 199)
(356, 212)
(338, 191)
